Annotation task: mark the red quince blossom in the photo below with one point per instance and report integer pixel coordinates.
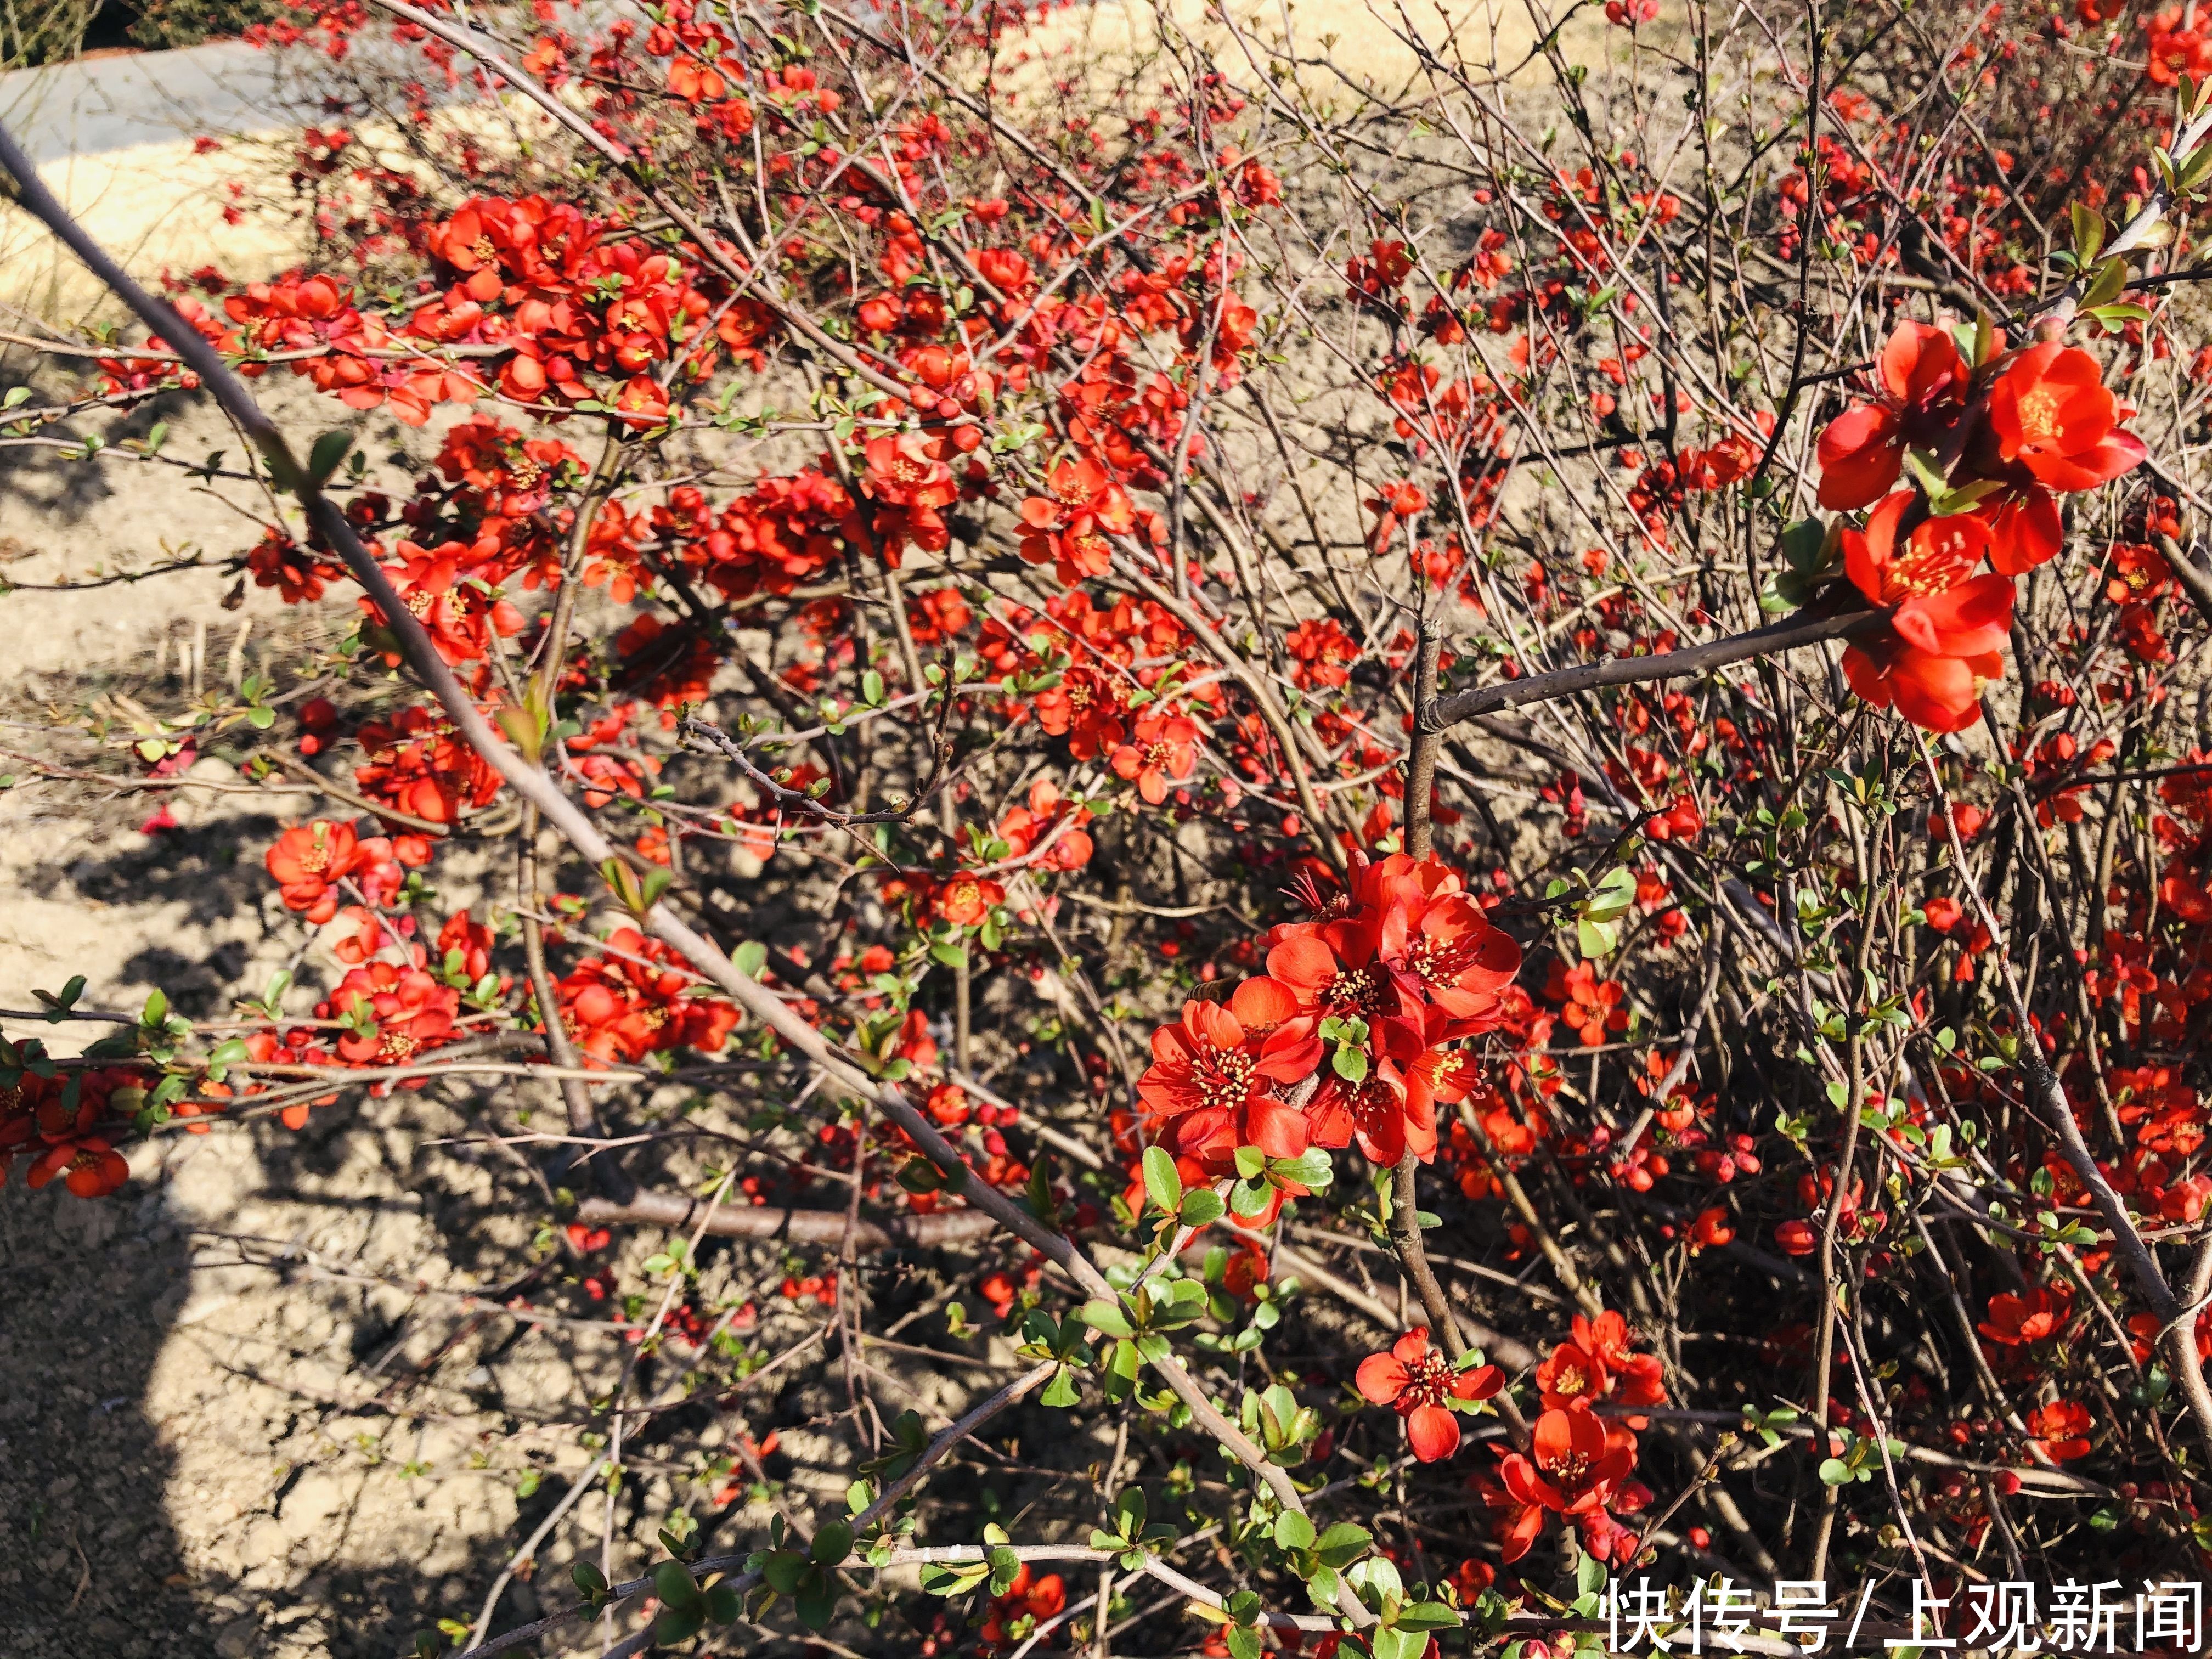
(1214, 1073)
(2052, 413)
(308, 860)
(1939, 644)
(2037, 1316)
(629, 1002)
(2062, 1429)
(1164, 752)
(1415, 1380)
(1922, 382)
(1578, 1464)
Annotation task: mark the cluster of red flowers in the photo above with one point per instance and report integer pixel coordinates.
(312, 862)
(2018, 429)
(1382, 982)
(1580, 1465)
(632, 999)
(67, 1124)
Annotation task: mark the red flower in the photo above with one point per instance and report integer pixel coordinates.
(308, 861)
(1215, 1071)
(1414, 1379)
(966, 900)
(2017, 1321)
(1577, 1467)
(89, 1167)
(1070, 530)
(1945, 626)
(2051, 413)
(2062, 1429)
(1923, 385)
(631, 1002)
(1942, 914)
(1438, 941)
(1163, 753)
(1711, 1229)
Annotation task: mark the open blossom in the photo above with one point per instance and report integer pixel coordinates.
(1415, 1380)
(1214, 1073)
(1922, 382)
(2035, 1316)
(1577, 1464)
(1944, 625)
(308, 860)
(1162, 752)
(2051, 412)
(2062, 1429)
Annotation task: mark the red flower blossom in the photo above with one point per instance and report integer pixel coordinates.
(1163, 753)
(1944, 627)
(1577, 1465)
(308, 860)
(1214, 1071)
(2062, 1429)
(1923, 393)
(965, 900)
(1415, 1379)
(2017, 1321)
(2051, 413)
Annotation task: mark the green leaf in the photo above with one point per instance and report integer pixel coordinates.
(157, 1015)
(948, 955)
(330, 449)
(1248, 1198)
(673, 1585)
(1308, 1169)
(1398, 1643)
(956, 1580)
(2088, 227)
(1161, 1181)
(2112, 279)
(816, 1600)
(832, 1544)
(1834, 1471)
(1199, 1208)
(1343, 1543)
(1435, 1615)
(1595, 938)
(1060, 1392)
(1804, 543)
(783, 1570)
(680, 1625)
(871, 689)
(1293, 1531)
(1250, 1160)
(751, 956)
(1106, 1319)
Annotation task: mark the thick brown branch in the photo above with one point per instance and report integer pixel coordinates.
(1767, 642)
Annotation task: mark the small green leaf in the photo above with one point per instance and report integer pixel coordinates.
(1161, 1181)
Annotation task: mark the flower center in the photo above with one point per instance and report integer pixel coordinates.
(1439, 962)
(2039, 418)
(1223, 1078)
(1426, 1380)
(1572, 1466)
(1354, 989)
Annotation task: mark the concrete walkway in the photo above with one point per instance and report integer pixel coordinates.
(91, 106)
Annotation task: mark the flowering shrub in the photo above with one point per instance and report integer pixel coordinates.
(1561, 795)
